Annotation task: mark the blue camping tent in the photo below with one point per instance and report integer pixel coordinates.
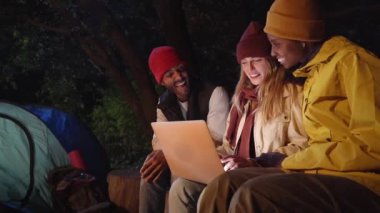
(74, 135)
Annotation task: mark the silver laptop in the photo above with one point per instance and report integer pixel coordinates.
(189, 149)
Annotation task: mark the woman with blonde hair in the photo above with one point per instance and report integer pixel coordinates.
(265, 120)
(264, 124)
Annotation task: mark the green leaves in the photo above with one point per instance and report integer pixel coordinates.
(115, 126)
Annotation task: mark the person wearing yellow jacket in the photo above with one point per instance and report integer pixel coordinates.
(340, 170)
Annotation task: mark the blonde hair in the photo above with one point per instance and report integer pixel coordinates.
(269, 92)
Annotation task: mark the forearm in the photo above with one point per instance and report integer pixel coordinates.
(270, 159)
(350, 154)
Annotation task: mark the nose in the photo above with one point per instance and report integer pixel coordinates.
(273, 52)
(177, 74)
(251, 65)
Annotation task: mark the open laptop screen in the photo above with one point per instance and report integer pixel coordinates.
(188, 149)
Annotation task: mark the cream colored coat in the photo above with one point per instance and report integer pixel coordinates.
(284, 133)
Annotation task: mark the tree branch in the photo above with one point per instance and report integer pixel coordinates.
(49, 28)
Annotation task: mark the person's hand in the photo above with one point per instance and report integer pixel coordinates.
(232, 162)
(153, 167)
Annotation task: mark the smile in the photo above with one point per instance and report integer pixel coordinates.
(281, 60)
(254, 75)
(180, 83)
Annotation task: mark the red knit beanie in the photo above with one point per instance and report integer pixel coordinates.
(253, 43)
(162, 59)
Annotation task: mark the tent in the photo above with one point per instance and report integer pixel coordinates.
(76, 139)
(55, 136)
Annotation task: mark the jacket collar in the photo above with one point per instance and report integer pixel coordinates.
(328, 49)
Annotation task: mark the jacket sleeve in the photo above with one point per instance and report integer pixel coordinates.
(296, 135)
(358, 148)
(160, 118)
(217, 114)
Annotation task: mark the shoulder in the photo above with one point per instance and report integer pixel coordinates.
(345, 50)
(292, 89)
(208, 90)
(219, 90)
(166, 99)
(220, 96)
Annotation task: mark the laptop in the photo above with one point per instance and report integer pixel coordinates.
(189, 149)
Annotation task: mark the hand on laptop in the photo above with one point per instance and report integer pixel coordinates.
(155, 163)
(232, 162)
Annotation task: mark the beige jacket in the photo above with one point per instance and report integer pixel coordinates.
(284, 133)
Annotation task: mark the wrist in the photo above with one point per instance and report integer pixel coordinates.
(254, 163)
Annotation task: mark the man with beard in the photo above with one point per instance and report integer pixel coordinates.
(182, 100)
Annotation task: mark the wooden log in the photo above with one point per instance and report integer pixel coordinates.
(123, 188)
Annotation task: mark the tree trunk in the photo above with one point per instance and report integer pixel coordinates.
(148, 96)
(144, 100)
(97, 53)
(173, 25)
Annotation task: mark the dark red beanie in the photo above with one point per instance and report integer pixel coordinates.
(253, 43)
(162, 59)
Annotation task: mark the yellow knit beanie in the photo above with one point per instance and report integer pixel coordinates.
(299, 20)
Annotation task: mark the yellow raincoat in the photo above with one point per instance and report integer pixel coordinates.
(341, 114)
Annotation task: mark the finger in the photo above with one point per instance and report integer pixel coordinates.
(146, 164)
(155, 180)
(226, 168)
(147, 161)
(152, 174)
(154, 169)
(227, 156)
(143, 168)
(154, 159)
(148, 169)
(226, 159)
(234, 166)
(228, 165)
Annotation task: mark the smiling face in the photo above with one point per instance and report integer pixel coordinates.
(255, 68)
(176, 80)
(287, 52)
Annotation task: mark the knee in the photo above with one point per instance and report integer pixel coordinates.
(220, 184)
(261, 185)
(222, 179)
(178, 188)
(255, 195)
(185, 189)
(145, 187)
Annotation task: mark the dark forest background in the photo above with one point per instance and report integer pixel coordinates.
(89, 57)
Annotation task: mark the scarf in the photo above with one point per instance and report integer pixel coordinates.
(235, 117)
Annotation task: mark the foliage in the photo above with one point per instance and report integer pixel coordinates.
(48, 69)
(42, 66)
(115, 126)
